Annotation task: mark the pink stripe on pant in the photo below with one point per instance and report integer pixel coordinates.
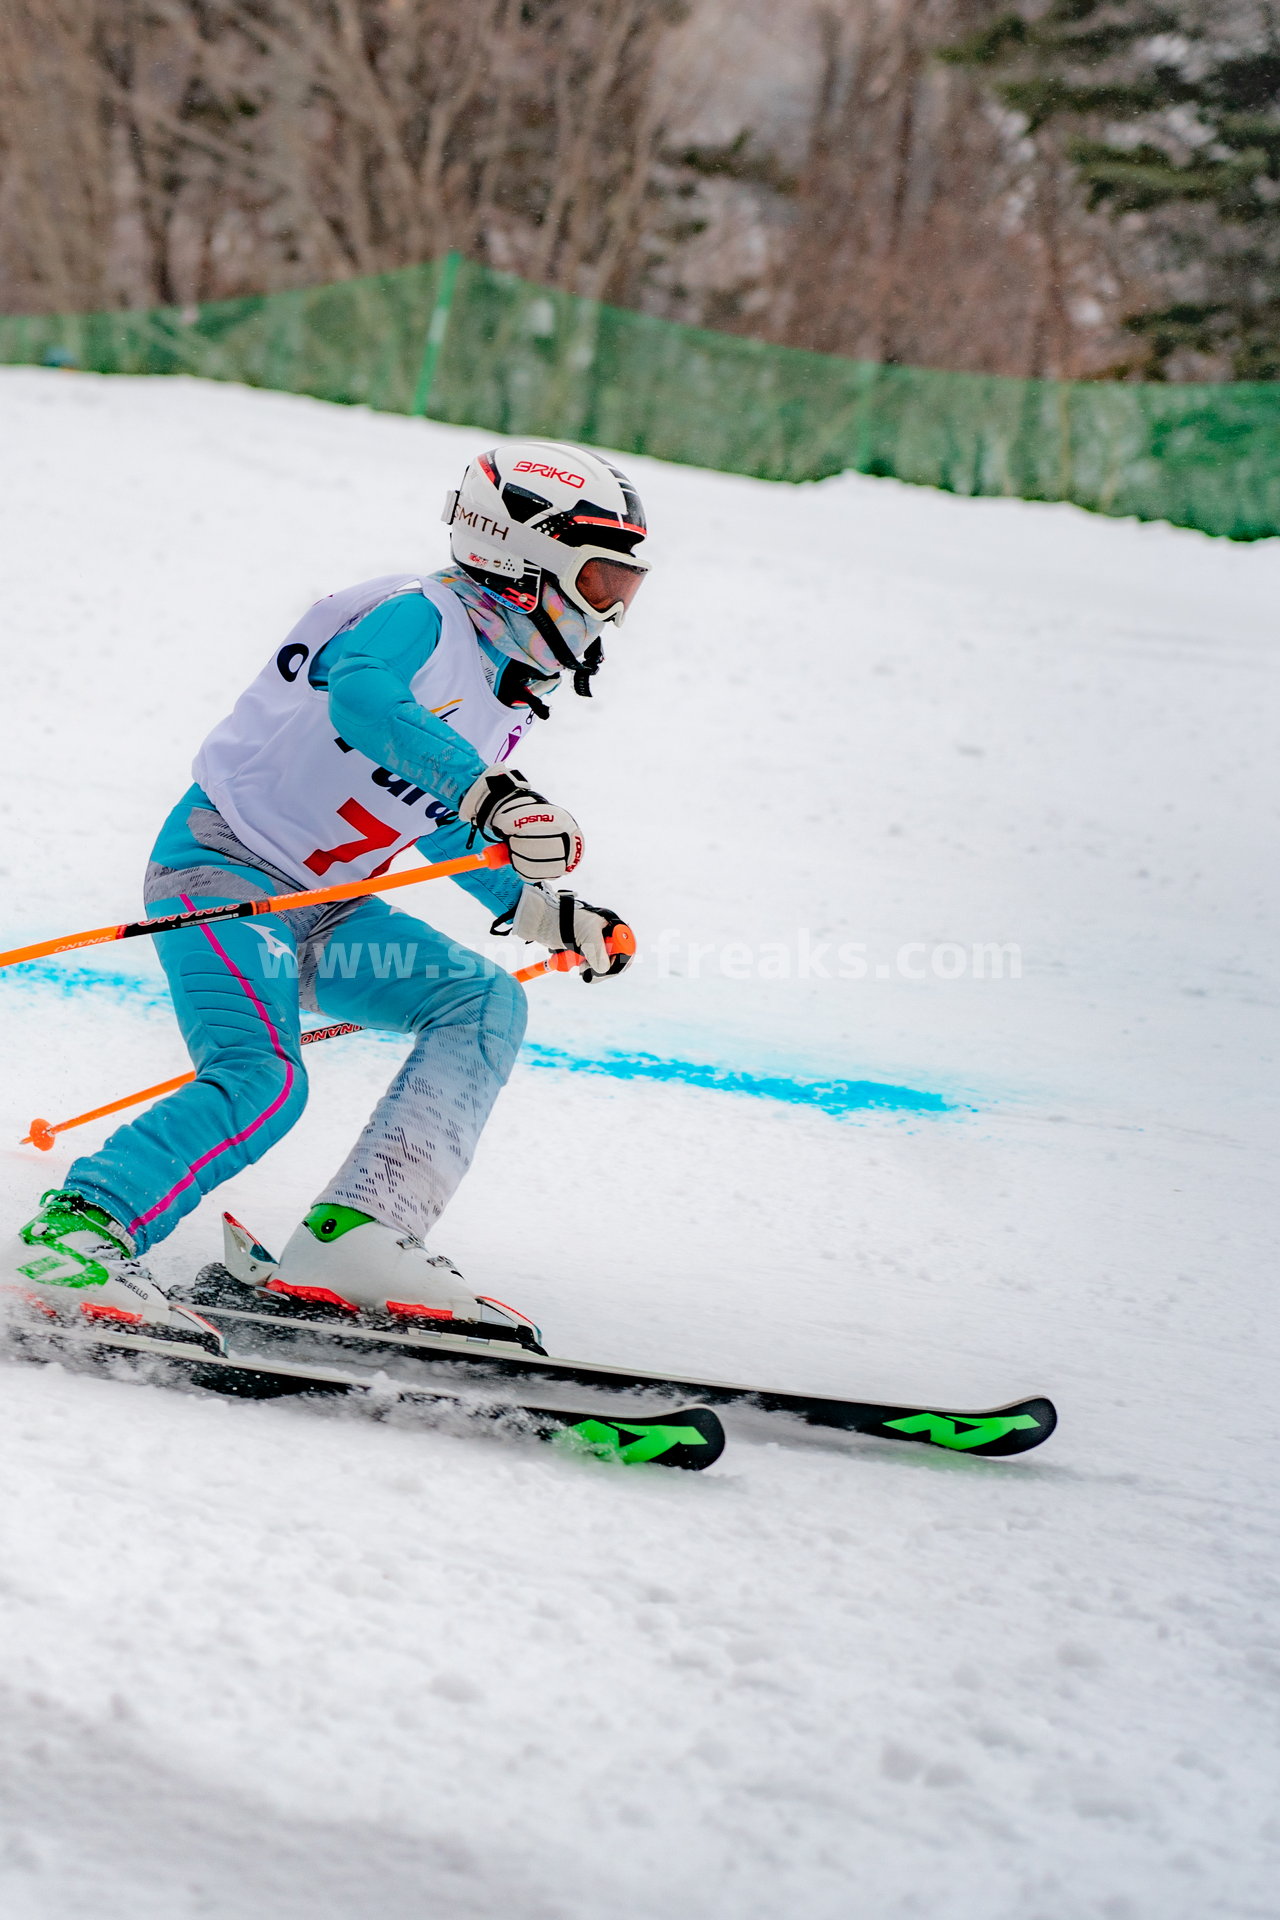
(234, 1140)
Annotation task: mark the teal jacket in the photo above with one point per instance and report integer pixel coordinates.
(368, 671)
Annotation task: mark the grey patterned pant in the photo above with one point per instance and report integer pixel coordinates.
(237, 990)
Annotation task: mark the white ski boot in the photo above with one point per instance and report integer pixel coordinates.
(346, 1264)
(73, 1263)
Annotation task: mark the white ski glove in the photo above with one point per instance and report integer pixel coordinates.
(564, 923)
(543, 840)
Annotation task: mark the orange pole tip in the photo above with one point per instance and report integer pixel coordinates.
(41, 1135)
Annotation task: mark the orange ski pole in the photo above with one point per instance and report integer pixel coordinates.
(621, 940)
(42, 1131)
(490, 856)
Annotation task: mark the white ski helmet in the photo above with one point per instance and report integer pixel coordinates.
(534, 510)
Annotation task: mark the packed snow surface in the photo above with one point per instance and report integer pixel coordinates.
(259, 1661)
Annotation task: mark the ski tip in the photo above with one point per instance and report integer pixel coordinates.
(1028, 1423)
(1005, 1430)
(688, 1437)
(709, 1445)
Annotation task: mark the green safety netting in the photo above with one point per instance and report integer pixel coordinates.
(464, 343)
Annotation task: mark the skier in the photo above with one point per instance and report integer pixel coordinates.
(386, 718)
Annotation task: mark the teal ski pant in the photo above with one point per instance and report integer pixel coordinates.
(235, 990)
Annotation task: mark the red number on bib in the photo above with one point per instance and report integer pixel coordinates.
(374, 834)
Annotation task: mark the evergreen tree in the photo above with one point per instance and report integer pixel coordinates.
(1173, 117)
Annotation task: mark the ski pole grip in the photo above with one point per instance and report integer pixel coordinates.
(621, 940)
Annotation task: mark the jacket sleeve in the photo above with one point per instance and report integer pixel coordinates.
(368, 671)
(497, 888)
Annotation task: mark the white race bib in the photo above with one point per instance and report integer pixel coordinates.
(307, 801)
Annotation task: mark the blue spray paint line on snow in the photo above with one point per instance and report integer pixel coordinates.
(828, 1096)
(70, 981)
(835, 1097)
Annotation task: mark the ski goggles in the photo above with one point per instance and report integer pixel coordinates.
(598, 580)
(602, 582)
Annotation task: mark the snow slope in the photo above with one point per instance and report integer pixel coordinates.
(256, 1661)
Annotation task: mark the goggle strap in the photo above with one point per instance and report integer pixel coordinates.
(582, 670)
(592, 661)
(561, 651)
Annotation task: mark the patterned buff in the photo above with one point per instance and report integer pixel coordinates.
(513, 632)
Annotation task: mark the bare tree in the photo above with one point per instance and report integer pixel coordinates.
(185, 150)
(923, 229)
(227, 146)
(892, 211)
(55, 157)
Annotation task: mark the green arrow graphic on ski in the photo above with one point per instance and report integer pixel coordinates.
(942, 1430)
(645, 1443)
